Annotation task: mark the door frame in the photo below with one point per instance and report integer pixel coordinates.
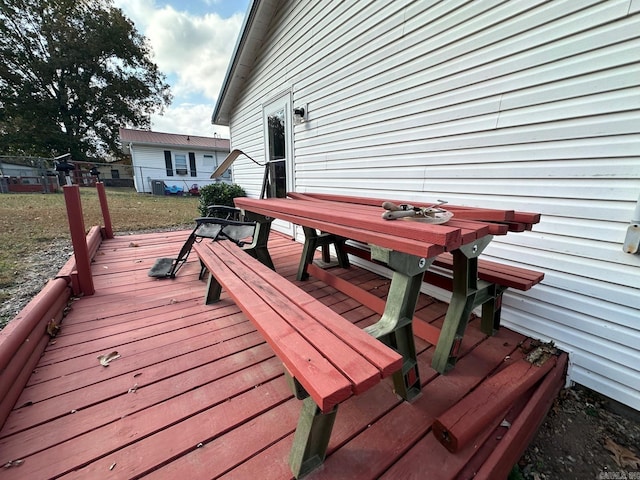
(282, 101)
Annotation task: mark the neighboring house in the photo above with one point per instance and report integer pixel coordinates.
(531, 105)
(17, 175)
(8, 169)
(116, 174)
(112, 174)
(178, 161)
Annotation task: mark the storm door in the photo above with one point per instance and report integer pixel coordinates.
(278, 135)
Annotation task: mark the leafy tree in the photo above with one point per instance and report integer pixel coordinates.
(71, 73)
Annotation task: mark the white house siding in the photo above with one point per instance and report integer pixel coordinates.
(149, 165)
(530, 105)
(15, 170)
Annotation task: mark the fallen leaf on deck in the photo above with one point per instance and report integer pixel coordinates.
(621, 455)
(106, 359)
(540, 353)
(52, 328)
(13, 463)
(133, 244)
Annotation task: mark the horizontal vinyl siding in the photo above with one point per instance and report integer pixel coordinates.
(149, 164)
(532, 105)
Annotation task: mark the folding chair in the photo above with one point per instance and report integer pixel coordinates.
(222, 222)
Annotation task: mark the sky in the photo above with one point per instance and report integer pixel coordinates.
(192, 43)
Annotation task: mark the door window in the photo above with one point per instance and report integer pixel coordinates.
(277, 145)
(278, 149)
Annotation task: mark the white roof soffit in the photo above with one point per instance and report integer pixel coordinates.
(254, 28)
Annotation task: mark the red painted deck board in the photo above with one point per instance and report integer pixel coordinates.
(197, 392)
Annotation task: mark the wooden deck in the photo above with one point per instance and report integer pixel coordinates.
(196, 392)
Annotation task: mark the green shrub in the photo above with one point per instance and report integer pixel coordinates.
(220, 193)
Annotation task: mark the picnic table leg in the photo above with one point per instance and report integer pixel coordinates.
(313, 432)
(394, 327)
(311, 439)
(258, 247)
(313, 240)
(491, 311)
(468, 292)
(214, 289)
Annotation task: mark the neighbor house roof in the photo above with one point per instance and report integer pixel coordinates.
(147, 137)
(252, 33)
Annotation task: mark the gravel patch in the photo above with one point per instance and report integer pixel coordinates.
(42, 266)
(39, 268)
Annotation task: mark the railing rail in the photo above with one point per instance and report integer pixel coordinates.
(25, 338)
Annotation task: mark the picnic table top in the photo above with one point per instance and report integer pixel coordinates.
(360, 218)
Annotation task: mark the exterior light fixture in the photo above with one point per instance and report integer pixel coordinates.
(632, 240)
(300, 115)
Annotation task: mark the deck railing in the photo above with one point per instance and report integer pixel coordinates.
(25, 337)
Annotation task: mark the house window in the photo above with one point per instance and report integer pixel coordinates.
(115, 174)
(277, 154)
(181, 164)
(168, 163)
(208, 161)
(192, 164)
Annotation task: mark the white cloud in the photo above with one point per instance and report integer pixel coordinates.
(188, 119)
(194, 51)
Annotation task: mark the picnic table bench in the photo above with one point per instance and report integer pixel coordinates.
(499, 274)
(498, 222)
(326, 358)
(408, 249)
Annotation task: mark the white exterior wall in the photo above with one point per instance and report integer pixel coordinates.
(522, 104)
(13, 170)
(148, 164)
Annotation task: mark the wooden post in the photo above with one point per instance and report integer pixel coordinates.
(108, 228)
(78, 238)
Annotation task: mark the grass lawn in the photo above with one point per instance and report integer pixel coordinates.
(28, 221)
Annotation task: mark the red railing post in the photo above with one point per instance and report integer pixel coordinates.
(78, 238)
(106, 216)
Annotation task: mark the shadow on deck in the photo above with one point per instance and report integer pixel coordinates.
(196, 392)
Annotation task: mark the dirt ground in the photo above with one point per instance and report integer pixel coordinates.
(585, 436)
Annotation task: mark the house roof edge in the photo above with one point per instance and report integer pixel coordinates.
(246, 44)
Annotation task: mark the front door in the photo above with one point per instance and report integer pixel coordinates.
(278, 135)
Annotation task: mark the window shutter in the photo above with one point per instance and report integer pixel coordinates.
(167, 163)
(192, 164)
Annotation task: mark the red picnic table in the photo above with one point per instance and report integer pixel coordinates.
(408, 248)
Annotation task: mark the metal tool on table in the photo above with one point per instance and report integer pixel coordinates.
(431, 214)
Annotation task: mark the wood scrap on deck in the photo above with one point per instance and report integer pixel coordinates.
(468, 418)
